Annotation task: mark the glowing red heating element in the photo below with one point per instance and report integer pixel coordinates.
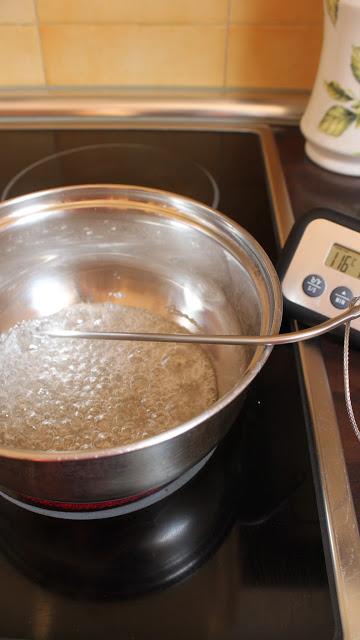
(85, 506)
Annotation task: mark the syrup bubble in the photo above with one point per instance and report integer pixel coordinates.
(67, 394)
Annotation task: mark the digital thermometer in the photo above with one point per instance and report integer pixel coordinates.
(320, 267)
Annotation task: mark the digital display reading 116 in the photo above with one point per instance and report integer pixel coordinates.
(344, 260)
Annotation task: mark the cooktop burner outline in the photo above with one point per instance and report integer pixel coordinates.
(169, 158)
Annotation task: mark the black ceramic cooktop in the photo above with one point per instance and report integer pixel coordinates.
(236, 552)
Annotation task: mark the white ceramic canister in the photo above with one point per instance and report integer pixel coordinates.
(331, 122)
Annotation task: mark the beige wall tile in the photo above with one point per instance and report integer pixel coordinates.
(134, 11)
(17, 11)
(283, 57)
(276, 11)
(20, 56)
(130, 55)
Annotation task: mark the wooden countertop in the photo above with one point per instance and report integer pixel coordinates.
(310, 186)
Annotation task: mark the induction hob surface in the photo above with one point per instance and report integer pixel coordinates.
(237, 551)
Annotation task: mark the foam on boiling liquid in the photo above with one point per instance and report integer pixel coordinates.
(68, 394)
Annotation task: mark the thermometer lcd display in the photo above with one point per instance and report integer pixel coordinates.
(344, 260)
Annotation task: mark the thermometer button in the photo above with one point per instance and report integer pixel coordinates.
(341, 297)
(313, 285)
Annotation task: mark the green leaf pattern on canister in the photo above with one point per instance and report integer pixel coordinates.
(332, 9)
(355, 63)
(337, 92)
(338, 118)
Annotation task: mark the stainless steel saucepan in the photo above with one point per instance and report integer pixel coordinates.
(145, 248)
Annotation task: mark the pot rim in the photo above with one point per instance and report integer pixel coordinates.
(173, 200)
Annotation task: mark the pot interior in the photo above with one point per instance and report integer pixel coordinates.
(134, 247)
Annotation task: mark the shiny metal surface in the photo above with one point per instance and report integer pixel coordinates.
(284, 338)
(340, 530)
(109, 107)
(341, 524)
(144, 248)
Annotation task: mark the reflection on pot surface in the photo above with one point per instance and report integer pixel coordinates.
(152, 250)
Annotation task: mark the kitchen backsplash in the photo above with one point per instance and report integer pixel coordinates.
(214, 43)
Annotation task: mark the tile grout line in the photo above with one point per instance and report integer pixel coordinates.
(276, 25)
(227, 24)
(228, 18)
(114, 23)
(40, 43)
(19, 23)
